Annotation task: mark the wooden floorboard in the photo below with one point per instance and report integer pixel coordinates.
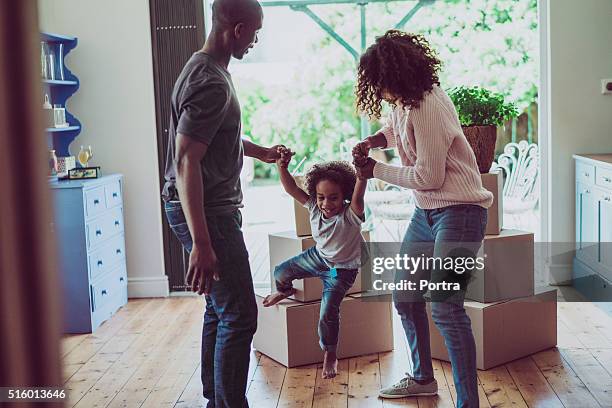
(144, 333)
(332, 392)
(532, 384)
(267, 383)
(591, 373)
(298, 387)
(148, 355)
(570, 390)
(500, 389)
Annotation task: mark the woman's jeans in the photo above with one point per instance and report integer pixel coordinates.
(230, 317)
(455, 231)
(336, 282)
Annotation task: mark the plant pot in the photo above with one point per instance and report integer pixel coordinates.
(482, 140)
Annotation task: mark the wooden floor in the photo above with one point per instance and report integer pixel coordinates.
(148, 355)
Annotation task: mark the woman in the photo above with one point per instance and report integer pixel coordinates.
(439, 165)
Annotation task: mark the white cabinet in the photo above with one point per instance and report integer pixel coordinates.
(594, 221)
(605, 225)
(586, 222)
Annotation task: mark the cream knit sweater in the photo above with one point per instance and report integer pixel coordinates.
(437, 161)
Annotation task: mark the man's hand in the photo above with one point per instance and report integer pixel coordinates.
(366, 171)
(203, 268)
(285, 157)
(360, 152)
(271, 154)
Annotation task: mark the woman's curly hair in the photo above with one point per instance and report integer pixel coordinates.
(339, 172)
(400, 63)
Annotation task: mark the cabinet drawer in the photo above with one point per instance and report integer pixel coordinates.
(604, 196)
(116, 252)
(104, 227)
(98, 262)
(115, 221)
(95, 202)
(96, 232)
(106, 257)
(113, 194)
(604, 177)
(585, 173)
(110, 289)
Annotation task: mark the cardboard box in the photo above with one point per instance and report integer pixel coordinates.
(509, 268)
(494, 182)
(301, 216)
(285, 245)
(287, 332)
(506, 331)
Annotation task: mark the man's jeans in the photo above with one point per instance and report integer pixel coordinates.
(230, 317)
(444, 232)
(310, 264)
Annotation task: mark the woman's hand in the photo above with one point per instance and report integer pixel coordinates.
(366, 171)
(360, 152)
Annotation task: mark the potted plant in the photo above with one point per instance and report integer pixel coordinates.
(480, 113)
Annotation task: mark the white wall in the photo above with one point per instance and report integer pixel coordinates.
(580, 117)
(115, 104)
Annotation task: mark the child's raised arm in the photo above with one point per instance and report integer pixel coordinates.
(287, 179)
(357, 202)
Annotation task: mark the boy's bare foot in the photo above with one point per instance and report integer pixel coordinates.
(274, 298)
(330, 365)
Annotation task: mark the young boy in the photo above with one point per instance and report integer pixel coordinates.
(334, 198)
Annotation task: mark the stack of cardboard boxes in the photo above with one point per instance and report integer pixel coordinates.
(288, 331)
(509, 320)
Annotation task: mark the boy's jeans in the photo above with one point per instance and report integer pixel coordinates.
(230, 317)
(439, 233)
(310, 264)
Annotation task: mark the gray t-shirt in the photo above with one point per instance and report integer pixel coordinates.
(205, 108)
(338, 238)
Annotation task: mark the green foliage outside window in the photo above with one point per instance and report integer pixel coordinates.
(485, 43)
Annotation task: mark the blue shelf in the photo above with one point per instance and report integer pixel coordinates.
(66, 129)
(59, 82)
(59, 91)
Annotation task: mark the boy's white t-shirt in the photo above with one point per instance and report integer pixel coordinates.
(338, 238)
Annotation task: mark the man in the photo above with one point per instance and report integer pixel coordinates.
(203, 171)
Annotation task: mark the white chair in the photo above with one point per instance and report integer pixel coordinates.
(520, 164)
(392, 209)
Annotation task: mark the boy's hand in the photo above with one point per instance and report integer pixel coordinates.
(366, 170)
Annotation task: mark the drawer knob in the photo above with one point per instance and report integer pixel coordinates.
(117, 223)
(99, 263)
(121, 279)
(118, 251)
(98, 232)
(607, 179)
(606, 198)
(96, 201)
(587, 191)
(115, 195)
(586, 174)
(104, 292)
